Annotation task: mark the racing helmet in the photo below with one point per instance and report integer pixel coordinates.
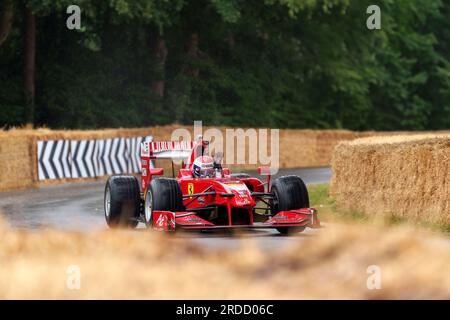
(203, 167)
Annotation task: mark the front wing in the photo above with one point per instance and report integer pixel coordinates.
(171, 221)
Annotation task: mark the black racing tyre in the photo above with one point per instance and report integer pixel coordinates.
(162, 194)
(290, 230)
(240, 175)
(289, 193)
(122, 201)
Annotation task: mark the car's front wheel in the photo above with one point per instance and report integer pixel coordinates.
(289, 192)
(163, 194)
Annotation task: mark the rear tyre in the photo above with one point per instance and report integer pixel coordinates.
(162, 194)
(122, 201)
(289, 193)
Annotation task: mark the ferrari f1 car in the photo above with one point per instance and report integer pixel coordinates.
(220, 200)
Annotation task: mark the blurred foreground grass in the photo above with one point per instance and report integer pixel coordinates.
(333, 263)
(124, 264)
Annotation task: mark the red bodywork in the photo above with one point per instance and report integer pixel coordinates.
(232, 200)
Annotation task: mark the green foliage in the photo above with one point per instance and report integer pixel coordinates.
(228, 10)
(275, 63)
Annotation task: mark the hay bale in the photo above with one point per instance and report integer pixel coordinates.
(298, 148)
(17, 167)
(398, 176)
(326, 141)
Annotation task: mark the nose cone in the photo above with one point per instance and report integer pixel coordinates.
(242, 196)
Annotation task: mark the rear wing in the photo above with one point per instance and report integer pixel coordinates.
(174, 150)
(186, 151)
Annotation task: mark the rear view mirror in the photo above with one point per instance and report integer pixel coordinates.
(157, 172)
(218, 157)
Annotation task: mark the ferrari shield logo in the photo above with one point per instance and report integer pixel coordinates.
(190, 188)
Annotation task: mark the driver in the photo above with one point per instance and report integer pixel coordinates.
(203, 167)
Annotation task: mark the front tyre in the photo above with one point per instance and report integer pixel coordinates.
(163, 194)
(122, 201)
(289, 193)
(287, 231)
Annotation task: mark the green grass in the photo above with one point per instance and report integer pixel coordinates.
(318, 195)
(319, 198)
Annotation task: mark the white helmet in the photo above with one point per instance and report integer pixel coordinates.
(203, 167)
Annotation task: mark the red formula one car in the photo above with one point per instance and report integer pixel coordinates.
(218, 200)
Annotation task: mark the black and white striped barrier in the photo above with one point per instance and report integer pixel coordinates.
(54, 160)
(60, 159)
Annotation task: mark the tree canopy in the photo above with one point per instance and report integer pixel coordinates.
(250, 63)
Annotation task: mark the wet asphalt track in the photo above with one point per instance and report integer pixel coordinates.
(79, 207)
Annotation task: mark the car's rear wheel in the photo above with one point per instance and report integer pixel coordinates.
(163, 194)
(122, 201)
(289, 192)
